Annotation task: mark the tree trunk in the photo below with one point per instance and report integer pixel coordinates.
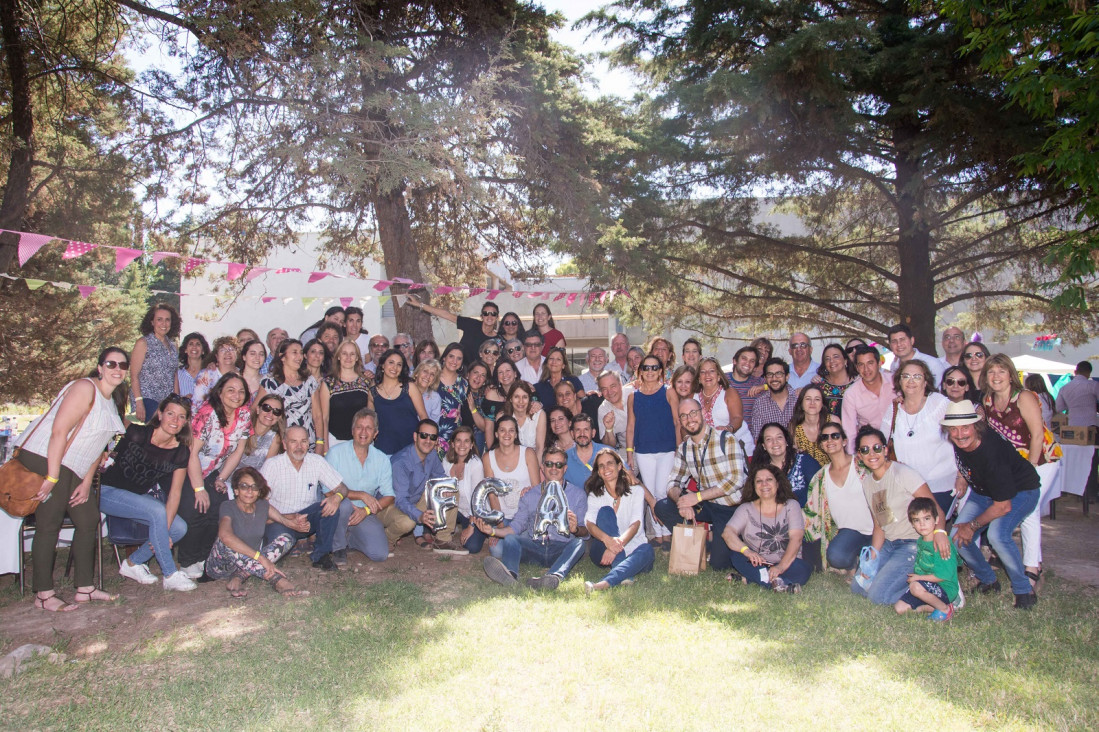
(916, 289)
(401, 257)
(13, 208)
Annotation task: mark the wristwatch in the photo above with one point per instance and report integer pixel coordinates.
(975, 526)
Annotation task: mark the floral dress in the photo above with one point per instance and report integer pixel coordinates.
(450, 413)
(298, 403)
(219, 442)
(833, 396)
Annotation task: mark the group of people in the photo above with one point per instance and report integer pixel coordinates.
(237, 452)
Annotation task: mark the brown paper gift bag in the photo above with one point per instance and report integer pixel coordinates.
(688, 555)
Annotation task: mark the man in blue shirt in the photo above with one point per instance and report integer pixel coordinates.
(582, 454)
(412, 468)
(559, 552)
(369, 477)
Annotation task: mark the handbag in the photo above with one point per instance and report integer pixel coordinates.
(688, 553)
(18, 484)
(891, 451)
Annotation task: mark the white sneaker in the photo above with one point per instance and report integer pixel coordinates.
(194, 571)
(137, 572)
(960, 602)
(179, 582)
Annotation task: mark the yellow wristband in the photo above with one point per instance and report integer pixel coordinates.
(52, 479)
(629, 449)
(320, 442)
(200, 489)
(342, 496)
(473, 411)
(744, 549)
(367, 509)
(493, 532)
(257, 556)
(699, 496)
(939, 531)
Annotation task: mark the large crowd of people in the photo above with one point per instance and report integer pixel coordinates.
(234, 454)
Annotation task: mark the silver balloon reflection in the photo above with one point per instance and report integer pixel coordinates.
(479, 505)
(442, 494)
(553, 510)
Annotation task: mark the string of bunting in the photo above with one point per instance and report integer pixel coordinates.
(29, 244)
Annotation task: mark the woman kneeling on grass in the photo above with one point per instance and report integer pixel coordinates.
(616, 504)
(239, 552)
(766, 531)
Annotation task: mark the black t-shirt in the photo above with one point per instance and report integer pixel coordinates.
(139, 465)
(996, 469)
(472, 338)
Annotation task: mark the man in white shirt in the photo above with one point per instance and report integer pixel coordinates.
(530, 367)
(953, 345)
(903, 346)
(597, 360)
(379, 344)
(297, 479)
(802, 366)
(620, 346)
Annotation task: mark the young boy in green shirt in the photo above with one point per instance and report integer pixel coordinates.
(933, 584)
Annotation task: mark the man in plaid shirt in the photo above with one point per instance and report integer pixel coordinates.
(715, 462)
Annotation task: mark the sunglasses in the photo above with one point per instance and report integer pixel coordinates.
(489, 314)
(830, 436)
(116, 365)
(533, 345)
(552, 464)
(515, 349)
(651, 367)
(402, 345)
(511, 324)
(272, 410)
(850, 350)
(430, 436)
(955, 382)
(798, 346)
(970, 356)
(878, 449)
(490, 352)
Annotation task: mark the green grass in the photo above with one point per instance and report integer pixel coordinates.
(666, 653)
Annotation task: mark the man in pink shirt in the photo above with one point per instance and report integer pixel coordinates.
(870, 399)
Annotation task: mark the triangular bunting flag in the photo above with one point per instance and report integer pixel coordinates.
(383, 285)
(559, 296)
(383, 300)
(287, 300)
(34, 284)
(29, 244)
(345, 302)
(62, 285)
(158, 256)
(192, 264)
(443, 290)
(256, 272)
(603, 296)
(286, 270)
(85, 291)
(570, 299)
(76, 248)
(123, 256)
(266, 300)
(399, 300)
(233, 270)
(475, 291)
(518, 294)
(307, 301)
(318, 276)
(492, 294)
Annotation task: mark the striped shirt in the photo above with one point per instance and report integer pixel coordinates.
(712, 464)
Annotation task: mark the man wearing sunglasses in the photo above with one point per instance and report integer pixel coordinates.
(412, 468)
(369, 477)
(582, 453)
(869, 398)
(802, 366)
(556, 551)
(474, 332)
(377, 347)
(714, 461)
(298, 478)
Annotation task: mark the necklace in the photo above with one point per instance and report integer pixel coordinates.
(910, 423)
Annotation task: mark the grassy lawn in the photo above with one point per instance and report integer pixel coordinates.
(666, 653)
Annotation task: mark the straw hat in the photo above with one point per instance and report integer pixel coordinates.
(959, 413)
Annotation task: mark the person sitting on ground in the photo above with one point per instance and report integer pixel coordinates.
(616, 506)
(764, 535)
(933, 584)
(130, 487)
(241, 550)
(518, 543)
(775, 447)
(838, 523)
(412, 468)
(296, 478)
(463, 463)
(712, 459)
(268, 433)
(368, 475)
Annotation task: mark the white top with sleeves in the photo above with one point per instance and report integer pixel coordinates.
(528, 431)
(473, 474)
(926, 450)
(631, 509)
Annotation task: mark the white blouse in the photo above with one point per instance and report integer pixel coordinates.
(921, 444)
(631, 509)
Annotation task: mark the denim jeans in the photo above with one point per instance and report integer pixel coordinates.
(559, 556)
(323, 526)
(367, 536)
(708, 512)
(624, 566)
(999, 535)
(797, 573)
(844, 548)
(896, 560)
(151, 512)
(476, 540)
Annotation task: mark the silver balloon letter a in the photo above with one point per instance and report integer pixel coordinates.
(553, 510)
(442, 494)
(479, 504)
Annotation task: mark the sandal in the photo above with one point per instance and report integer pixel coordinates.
(57, 606)
(1035, 579)
(732, 577)
(92, 597)
(290, 591)
(423, 542)
(238, 591)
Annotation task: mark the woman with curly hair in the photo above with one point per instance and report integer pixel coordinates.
(616, 507)
(290, 378)
(153, 360)
(221, 361)
(193, 351)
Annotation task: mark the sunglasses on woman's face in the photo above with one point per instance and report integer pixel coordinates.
(650, 367)
(971, 356)
(116, 365)
(490, 352)
(511, 324)
(878, 449)
(955, 382)
(271, 410)
(830, 436)
(515, 349)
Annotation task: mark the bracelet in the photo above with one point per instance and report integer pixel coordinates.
(474, 411)
(744, 549)
(257, 556)
(367, 509)
(699, 495)
(320, 442)
(629, 449)
(200, 489)
(493, 532)
(939, 531)
(52, 479)
(342, 496)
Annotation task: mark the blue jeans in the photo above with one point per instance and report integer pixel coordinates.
(476, 540)
(796, 574)
(844, 548)
(559, 556)
(896, 560)
(367, 536)
(323, 526)
(151, 512)
(623, 566)
(708, 512)
(999, 535)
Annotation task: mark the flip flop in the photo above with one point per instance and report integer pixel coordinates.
(107, 597)
(43, 603)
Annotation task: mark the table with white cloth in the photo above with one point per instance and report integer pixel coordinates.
(1075, 466)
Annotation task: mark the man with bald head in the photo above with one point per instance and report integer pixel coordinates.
(802, 366)
(597, 361)
(953, 345)
(275, 336)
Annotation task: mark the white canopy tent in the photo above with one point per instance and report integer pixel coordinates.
(1034, 365)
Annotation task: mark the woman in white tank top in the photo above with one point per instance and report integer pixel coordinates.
(84, 412)
(511, 462)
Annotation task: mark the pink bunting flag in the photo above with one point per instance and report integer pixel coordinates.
(492, 294)
(402, 280)
(475, 291)
(123, 256)
(286, 270)
(85, 291)
(345, 302)
(233, 270)
(158, 256)
(268, 299)
(603, 296)
(518, 294)
(76, 248)
(383, 285)
(559, 296)
(534, 295)
(192, 264)
(29, 244)
(417, 286)
(256, 272)
(318, 276)
(570, 299)
(443, 290)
